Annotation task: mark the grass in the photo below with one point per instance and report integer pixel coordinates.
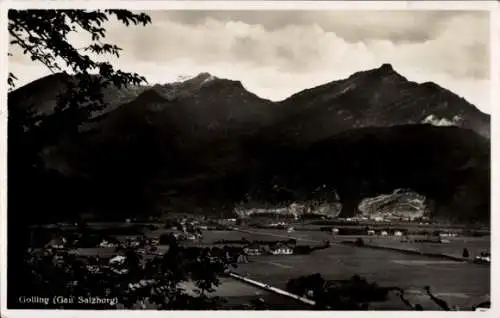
(455, 248)
(457, 282)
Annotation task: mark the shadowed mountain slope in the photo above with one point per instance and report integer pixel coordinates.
(207, 143)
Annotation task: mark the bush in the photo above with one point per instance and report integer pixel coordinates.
(359, 242)
(465, 253)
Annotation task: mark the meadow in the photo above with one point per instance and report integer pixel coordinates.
(461, 284)
(458, 283)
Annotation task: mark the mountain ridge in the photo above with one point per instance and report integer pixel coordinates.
(384, 68)
(211, 142)
(373, 97)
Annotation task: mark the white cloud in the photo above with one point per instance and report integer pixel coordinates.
(277, 62)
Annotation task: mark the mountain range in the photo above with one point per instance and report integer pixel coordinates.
(206, 143)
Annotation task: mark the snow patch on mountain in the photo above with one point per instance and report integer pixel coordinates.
(183, 78)
(209, 78)
(442, 122)
(200, 78)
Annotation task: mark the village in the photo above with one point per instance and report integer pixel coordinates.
(190, 232)
(108, 249)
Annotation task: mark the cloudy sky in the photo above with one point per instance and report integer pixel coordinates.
(278, 53)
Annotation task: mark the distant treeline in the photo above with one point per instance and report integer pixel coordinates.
(247, 242)
(270, 216)
(307, 249)
(360, 231)
(82, 236)
(360, 243)
(404, 231)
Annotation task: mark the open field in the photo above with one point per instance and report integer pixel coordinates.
(459, 283)
(314, 224)
(238, 293)
(475, 245)
(210, 237)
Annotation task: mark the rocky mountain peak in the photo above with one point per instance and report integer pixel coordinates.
(386, 70)
(204, 76)
(386, 67)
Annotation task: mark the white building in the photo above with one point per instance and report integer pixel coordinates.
(56, 243)
(117, 260)
(484, 257)
(134, 244)
(448, 234)
(281, 250)
(252, 251)
(242, 258)
(105, 243)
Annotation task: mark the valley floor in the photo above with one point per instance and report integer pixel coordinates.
(461, 284)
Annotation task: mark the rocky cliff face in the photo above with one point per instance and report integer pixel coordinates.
(442, 163)
(400, 203)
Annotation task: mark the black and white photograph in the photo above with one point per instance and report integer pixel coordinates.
(246, 158)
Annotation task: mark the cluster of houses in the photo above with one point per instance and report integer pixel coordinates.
(186, 236)
(354, 219)
(276, 249)
(441, 237)
(371, 232)
(57, 243)
(397, 233)
(61, 242)
(386, 217)
(448, 234)
(483, 258)
(389, 217)
(187, 229)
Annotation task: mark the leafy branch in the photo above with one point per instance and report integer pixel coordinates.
(43, 35)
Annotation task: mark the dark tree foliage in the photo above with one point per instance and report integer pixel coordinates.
(359, 242)
(153, 280)
(352, 294)
(43, 35)
(465, 253)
